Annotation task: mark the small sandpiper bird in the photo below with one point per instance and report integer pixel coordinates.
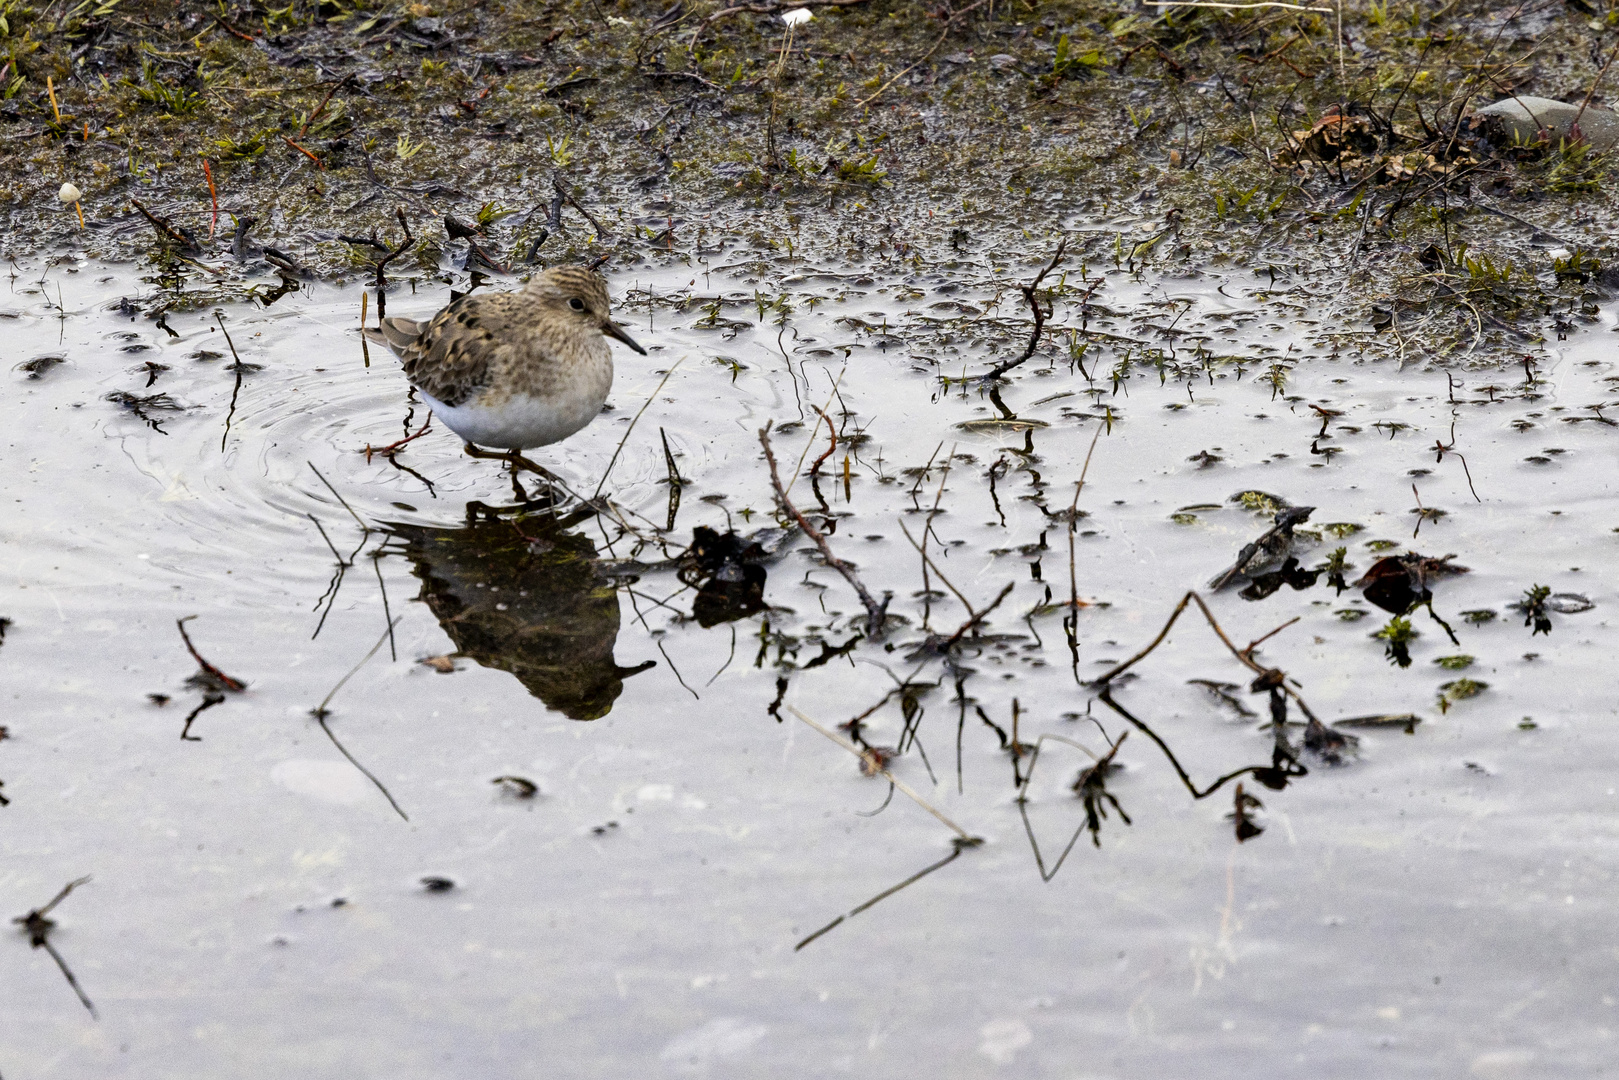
(514, 370)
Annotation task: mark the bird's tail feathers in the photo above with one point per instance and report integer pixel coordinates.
(396, 333)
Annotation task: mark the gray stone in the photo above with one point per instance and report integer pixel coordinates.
(1523, 117)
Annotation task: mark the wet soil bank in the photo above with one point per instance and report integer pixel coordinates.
(1337, 145)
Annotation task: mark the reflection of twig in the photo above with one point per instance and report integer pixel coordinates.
(1273, 775)
(957, 847)
(1282, 766)
(235, 390)
(376, 564)
(38, 928)
(1441, 449)
(320, 713)
(328, 599)
(658, 640)
(1090, 821)
(1070, 622)
(875, 612)
(208, 702)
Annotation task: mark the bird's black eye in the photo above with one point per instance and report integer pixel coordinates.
(577, 304)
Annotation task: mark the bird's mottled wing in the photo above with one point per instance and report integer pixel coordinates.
(452, 359)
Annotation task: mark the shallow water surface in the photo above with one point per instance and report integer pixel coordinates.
(585, 837)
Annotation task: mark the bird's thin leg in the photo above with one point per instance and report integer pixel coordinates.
(473, 451)
(395, 447)
(516, 461)
(513, 458)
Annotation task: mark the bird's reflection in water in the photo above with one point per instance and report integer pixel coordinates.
(526, 597)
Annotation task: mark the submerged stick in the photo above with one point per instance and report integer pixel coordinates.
(831, 397)
(890, 777)
(618, 449)
(338, 497)
(567, 197)
(1071, 619)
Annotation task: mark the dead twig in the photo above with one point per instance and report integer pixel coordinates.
(338, 85)
(212, 672)
(1244, 656)
(948, 23)
(382, 264)
(617, 449)
(876, 768)
(567, 197)
(875, 612)
(1040, 314)
(167, 229)
(318, 162)
(1575, 126)
(832, 430)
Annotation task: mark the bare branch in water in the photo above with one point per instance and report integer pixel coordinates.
(875, 612)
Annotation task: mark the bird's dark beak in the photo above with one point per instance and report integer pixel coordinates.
(612, 330)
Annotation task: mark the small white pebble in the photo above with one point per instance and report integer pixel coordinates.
(796, 17)
(69, 194)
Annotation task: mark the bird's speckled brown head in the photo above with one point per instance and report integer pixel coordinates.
(582, 294)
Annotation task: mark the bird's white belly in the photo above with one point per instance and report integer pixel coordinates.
(520, 421)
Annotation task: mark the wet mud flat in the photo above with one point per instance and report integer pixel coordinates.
(461, 782)
(1348, 145)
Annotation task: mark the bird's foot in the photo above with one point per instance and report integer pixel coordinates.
(395, 447)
